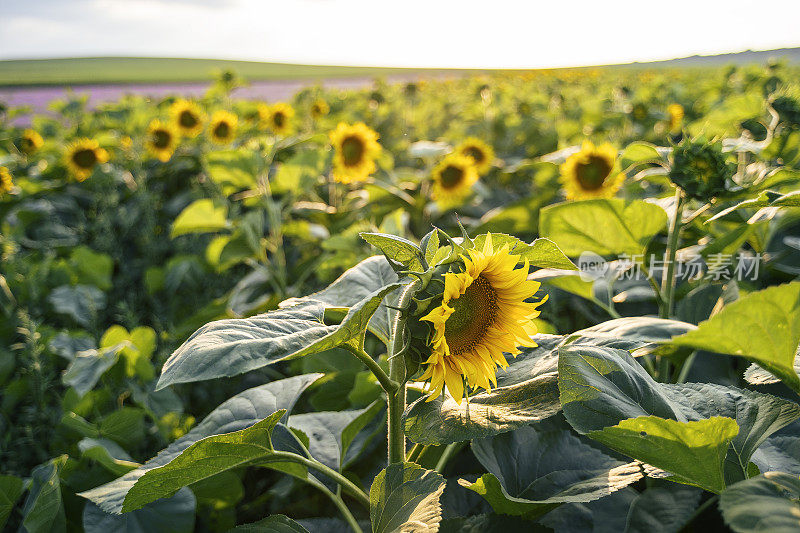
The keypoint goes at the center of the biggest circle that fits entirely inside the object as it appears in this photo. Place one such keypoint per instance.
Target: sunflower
(356, 147)
(482, 315)
(6, 183)
(481, 153)
(30, 141)
(223, 127)
(162, 139)
(319, 108)
(592, 172)
(453, 179)
(187, 117)
(82, 156)
(675, 112)
(277, 117)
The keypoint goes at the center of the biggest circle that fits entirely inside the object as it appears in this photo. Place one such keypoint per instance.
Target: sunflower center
(187, 119)
(451, 176)
(222, 130)
(475, 153)
(84, 158)
(352, 150)
(27, 143)
(279, 119)
(593, 173)
(161, 139)
(474, 312)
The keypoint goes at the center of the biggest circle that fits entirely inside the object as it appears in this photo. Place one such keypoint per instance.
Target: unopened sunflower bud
(700, 169)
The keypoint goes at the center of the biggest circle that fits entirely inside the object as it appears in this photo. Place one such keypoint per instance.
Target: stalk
(396, 400)
(668, 279)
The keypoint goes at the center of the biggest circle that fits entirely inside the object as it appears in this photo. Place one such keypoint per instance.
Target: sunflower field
(560, 301)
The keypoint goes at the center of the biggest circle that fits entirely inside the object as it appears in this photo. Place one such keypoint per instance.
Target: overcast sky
(427, 33)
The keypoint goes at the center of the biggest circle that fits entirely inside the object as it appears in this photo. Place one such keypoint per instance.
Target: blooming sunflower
(592, 172)
(453, 179)
(356, 147)
(223, 127)
(277, 117)
(675, 112)
(6, 183)
(82, 156)
(162, 139)
(319, 108)
(481, 153)
(187, 117)
(482, 315)
(30, 141)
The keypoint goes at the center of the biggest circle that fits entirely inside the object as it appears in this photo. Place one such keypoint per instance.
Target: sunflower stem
(668, 279)
(388, 385)
(396, 400)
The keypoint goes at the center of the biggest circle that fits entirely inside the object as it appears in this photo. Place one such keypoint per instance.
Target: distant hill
(127, 70)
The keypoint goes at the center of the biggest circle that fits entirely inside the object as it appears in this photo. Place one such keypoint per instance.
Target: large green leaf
(169, 515)
(765, 199)
(534, 469)
(763, 327)
(276, 523)
(203, 459)
(357, 283)
(237, 413)
(397, 249)
(606, 227)
(606, 515)
(405, 497)
(234, 346)
(662, 508)
(81, 302)
(769, 502)
(541, 253)
(694, 451)
(10, 491)
(88, 367)
(44, 506)
(233, 170)
(780, 453)
(201, 216)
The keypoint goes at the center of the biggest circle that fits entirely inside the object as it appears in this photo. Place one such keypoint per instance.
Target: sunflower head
(639, 112)
(277, 117)
(592, 172)
(481, 154)
(6, 183)
(319, 108)
(82, 156)
(675, 112)
(30, 141)
(477, 313)
(187, 117)
(453, 179)
(355, 149)
(162, 139)
(223, 127)
(700, 168)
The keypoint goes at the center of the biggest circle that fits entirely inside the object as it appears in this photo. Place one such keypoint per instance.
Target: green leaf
(780, 453)
(662, 508)
(91, 267)
(230, 347)
(765, 199)
(233, 170)
(601, 386)
(276, 523)
(81, 302)
(517, 218)
(44, 507)
(397, 249)
(405, 497)
(606, 227)
(534, 469)
(109, 454)
(201, 216)
(203, 459)
(221, 491)
(125, 426)
(170, 515)
(763, 327)
(769, 502)
(10, 491)
(541, 253)
(88, 367)
(237, 413)
(638, 153)
(694, 451)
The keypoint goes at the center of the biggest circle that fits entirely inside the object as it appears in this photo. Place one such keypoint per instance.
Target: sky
(402, 33)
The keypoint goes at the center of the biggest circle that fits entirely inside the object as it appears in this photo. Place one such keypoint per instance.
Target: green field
(91, 70)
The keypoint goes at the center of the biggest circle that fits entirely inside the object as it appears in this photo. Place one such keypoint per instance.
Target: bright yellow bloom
(319, 108)
(453, 179)
(481, 153)
(187, 117)
(223, 127)
(592, 172)
(162, 139)
(483, 314)
(6, 183)
(356, 147)
(277, 117)
(82, 156)
(676, 113)
(30, 141)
